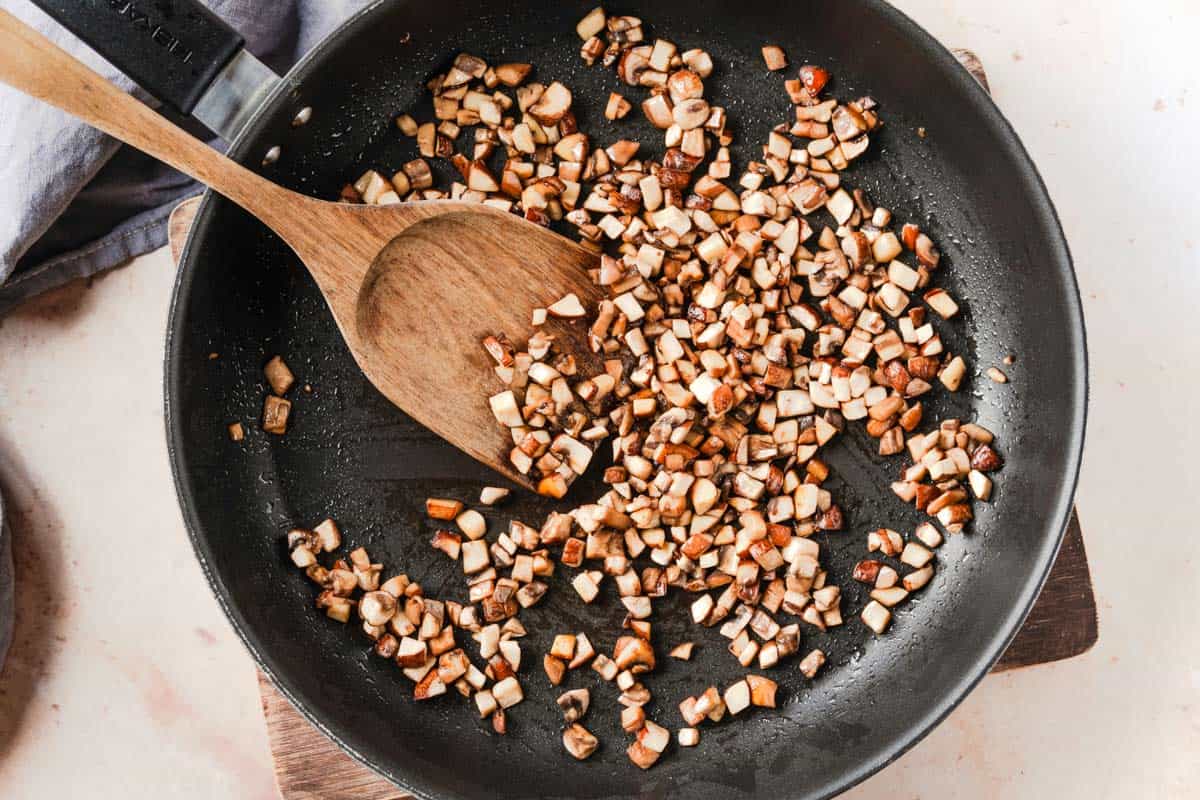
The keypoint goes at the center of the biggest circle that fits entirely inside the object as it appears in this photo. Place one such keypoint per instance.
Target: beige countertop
(126, 680)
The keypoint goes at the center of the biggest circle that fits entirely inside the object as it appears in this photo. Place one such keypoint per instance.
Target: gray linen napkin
(73, 201)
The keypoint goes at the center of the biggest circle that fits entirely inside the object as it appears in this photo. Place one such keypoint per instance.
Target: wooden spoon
(414, 287)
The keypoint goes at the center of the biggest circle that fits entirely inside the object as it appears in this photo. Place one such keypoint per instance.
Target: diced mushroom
(915, 555)
(841, 206)
(876, 616)
(302, 556)
(504, 407)
(275, 415)
(981, 485)
(699, 62)
(491, 495)
(586, 587)
(485, 703)
(890, 597)
(918, 578)
(471, 523)
(688, 114)
(508, 692)
(737, 697)
(928, 535)
(429, 686)
(475, 556)
(952, 374)
(376, 608)
(657, 109)
(774, 57)
(583, 651)
(442, 509)
(811, 663)
(762, 691)
(579, 742)
(563, 646)
(568, 307)
(329, 535)
(574, 704)
(279, 377)
(591, 24)
(554, 668)
(683, 651)
(513, 74)
(407, 125)
(412, 652)
(654, 737)
(941, 302)
(633, 653)
(617, 107)
(641, 755)
(552, 105)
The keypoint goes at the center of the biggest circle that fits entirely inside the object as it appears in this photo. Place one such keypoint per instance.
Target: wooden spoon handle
(33, 64)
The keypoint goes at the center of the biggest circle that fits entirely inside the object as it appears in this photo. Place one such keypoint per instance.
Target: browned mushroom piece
(553, 105)
(634, 654)
(774, 57)
(555, 669)
(574, 704)
(278, 376)
(641, 755)
(617, 107)
(377, 607)
(579, 742)
(762, 690)
(631, 65)
(513, 74)
(592, 24)
(276, 412)
(442, 508)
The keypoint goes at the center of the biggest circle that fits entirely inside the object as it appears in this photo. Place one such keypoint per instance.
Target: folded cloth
(73, 201)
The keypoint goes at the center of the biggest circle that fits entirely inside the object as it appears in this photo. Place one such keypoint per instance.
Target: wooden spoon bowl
(456, 273)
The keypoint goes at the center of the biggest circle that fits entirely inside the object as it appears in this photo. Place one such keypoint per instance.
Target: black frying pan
(352, 455)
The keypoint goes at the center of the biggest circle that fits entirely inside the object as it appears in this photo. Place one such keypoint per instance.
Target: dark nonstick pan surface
(350, 454)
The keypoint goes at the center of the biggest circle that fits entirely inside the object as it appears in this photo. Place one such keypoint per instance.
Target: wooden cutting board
(309, 766)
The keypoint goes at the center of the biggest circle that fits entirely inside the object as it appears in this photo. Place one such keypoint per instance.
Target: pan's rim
(1006, 630)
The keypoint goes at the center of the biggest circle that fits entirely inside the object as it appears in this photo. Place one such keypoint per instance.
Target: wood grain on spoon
(414, 287)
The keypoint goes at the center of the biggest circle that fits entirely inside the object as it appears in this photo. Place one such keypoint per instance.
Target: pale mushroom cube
(737, 697)
(876, 616)
(508, 692)
(475, 556)
(472, 523)
(504, 407)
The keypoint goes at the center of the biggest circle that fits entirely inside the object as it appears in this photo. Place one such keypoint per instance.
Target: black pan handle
(174, 49)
